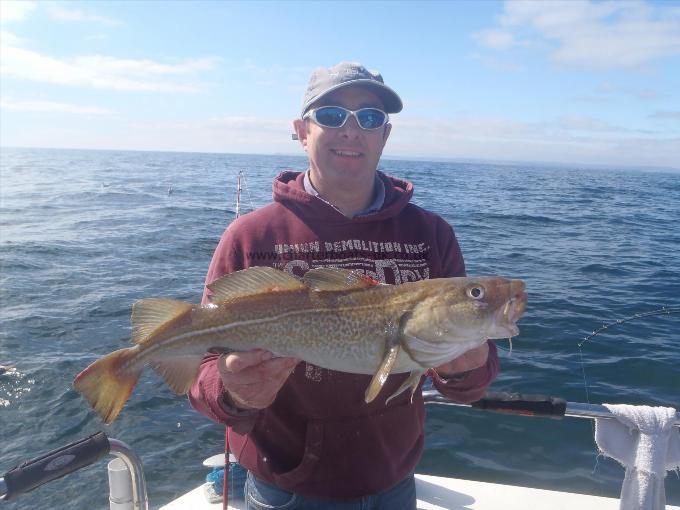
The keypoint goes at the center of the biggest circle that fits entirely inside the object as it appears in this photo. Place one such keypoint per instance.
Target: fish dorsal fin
(336, 279)
(252, 281)
(148, 315)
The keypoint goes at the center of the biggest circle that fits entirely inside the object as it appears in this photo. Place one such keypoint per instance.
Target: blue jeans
(261, 495)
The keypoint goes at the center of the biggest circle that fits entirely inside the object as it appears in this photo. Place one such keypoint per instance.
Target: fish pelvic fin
(412, 382)
(151, 315)
(178, 372)
(106, 385)
(250, 282)
(337, 279)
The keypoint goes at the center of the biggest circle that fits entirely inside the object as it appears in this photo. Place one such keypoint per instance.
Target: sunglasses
(336, 116)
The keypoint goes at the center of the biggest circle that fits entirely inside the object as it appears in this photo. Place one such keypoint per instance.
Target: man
(304, 433)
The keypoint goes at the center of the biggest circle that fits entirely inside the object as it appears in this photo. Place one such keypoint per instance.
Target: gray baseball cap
(325, 80)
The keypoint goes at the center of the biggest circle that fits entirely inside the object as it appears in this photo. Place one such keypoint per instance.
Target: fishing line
(659, 311)
(664, 310)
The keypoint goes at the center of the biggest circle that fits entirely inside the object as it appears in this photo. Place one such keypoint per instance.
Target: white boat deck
(439, 493)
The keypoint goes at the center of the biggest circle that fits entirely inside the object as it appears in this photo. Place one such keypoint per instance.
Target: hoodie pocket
(310, 458)
(355, 456)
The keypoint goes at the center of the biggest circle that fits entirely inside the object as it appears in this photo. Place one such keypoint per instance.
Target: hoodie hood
(289, 190)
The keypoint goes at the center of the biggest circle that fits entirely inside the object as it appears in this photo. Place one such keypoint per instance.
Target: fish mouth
(511, 312)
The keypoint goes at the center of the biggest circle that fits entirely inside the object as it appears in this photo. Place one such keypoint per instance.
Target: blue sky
(573, 82)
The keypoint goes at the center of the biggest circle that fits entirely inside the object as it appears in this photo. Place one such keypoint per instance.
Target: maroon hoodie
(319, 438)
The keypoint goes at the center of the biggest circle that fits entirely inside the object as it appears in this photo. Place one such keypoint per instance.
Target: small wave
(520, 218)
(7, 370)
(603, 269)
(13, 385)
(664, 274)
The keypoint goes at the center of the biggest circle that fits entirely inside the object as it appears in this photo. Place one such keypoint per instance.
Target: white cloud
(584, 123)
(666, 114)
(495, 39)
(15, 10)
(255, 135)
(100, 72)
(51, 106)
(66, 14)
(144, 67)
(96, 37)
(607, 91)
(255, 124)
(603, 35)
(577, 139)
(501, 64)
(8, 38)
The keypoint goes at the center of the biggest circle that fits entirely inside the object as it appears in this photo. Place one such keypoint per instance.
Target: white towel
(644, 440)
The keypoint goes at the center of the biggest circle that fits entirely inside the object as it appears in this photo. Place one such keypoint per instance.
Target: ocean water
(83, 234)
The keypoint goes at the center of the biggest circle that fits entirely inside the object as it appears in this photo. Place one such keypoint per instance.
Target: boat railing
(79, 454)
(72, 457)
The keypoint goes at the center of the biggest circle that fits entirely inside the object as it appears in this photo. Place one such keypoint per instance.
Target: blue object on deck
(216, 477)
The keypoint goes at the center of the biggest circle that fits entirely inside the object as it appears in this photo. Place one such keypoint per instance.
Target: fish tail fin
(106, 386)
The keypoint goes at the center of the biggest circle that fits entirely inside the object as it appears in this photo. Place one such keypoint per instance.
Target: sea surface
(83, 234)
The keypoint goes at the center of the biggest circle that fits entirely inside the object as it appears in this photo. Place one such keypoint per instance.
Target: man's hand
(470, 360)
(253, 378)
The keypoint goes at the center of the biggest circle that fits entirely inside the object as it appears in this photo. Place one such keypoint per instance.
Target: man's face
(346, 154)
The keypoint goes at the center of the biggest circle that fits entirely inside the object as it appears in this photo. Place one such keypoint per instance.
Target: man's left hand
(470, 360)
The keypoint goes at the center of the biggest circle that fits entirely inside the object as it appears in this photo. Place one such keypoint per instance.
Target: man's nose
(351, 127)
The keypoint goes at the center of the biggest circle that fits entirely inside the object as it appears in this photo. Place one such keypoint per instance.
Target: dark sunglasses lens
(370, 118)
(330, 116)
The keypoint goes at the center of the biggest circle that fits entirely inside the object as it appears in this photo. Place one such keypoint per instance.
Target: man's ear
(300, 128)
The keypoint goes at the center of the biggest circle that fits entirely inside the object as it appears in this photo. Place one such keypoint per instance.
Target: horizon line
(422, 159)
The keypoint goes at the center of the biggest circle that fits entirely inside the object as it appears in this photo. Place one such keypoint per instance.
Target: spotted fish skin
(332, 318)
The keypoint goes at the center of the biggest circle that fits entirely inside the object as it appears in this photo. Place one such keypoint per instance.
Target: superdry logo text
(386, 261)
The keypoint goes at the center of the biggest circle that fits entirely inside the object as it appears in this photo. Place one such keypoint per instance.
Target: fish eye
(475, 292)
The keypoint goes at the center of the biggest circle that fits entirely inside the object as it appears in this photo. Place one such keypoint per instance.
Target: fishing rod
(241, 184)
(664, 310)
(238, 194)
(530, 405)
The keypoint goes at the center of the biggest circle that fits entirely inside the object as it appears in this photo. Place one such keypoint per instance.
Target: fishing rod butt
(33, 473)
(523, 404)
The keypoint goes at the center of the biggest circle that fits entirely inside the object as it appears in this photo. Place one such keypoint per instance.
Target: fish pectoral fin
(150, 314)
(392, 349)
(252, 281)
(412, 382)
(178, 372)
(383, 372)
(337, 279)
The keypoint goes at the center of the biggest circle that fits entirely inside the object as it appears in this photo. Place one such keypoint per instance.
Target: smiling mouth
(346, 154)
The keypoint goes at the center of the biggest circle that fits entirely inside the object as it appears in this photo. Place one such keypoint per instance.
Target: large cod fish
(333, 318)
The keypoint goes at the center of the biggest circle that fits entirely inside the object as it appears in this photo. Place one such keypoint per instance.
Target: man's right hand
(253, 378)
